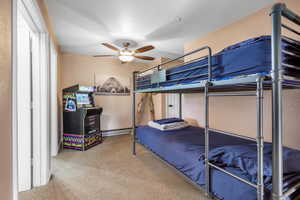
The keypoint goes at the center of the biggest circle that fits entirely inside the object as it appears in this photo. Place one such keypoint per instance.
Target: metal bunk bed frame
(248, 83)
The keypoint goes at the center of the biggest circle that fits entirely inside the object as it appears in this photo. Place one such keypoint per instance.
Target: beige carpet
(110, 172)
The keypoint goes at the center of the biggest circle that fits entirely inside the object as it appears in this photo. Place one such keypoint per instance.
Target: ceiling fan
(127, 55)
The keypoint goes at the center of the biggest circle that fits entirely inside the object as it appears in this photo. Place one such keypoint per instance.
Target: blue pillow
(244, 157)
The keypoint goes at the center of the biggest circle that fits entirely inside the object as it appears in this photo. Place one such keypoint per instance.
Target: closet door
(24, 106)
(172, 105)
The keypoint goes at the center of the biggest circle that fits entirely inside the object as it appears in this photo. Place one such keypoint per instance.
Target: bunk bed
(267, 62)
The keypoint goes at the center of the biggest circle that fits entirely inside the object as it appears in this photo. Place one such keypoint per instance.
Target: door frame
(41, 143)
(54, 101)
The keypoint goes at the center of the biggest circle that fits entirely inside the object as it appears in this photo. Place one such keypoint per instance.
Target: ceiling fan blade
(144, 57)
(144, 49)
(110, 46)
(103, 55)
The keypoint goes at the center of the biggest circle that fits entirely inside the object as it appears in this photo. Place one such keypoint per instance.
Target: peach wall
(237, 114)
(6, 100)
(80, 69)
(254, 25)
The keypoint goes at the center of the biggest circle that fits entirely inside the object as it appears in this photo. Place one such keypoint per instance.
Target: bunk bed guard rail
(278, 11)
(259, 138)
(159, 74)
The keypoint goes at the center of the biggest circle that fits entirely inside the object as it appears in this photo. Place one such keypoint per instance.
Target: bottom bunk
(184, 150)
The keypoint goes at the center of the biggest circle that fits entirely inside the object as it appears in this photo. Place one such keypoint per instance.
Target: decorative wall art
(112, 86)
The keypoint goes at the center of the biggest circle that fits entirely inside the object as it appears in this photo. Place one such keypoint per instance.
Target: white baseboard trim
(118, 132)
(56, 151)
(60, 145)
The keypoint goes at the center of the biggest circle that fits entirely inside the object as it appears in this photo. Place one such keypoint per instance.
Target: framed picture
(112, 86)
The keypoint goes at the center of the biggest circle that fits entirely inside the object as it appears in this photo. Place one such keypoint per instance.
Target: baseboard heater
(114, 132)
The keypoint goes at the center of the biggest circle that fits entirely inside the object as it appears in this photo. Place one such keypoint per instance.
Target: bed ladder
(259, 138)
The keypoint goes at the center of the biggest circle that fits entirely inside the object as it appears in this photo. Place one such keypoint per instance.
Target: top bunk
(235, 68)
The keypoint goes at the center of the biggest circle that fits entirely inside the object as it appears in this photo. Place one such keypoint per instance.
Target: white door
(24, 99)
(32, 85)
(172, 105)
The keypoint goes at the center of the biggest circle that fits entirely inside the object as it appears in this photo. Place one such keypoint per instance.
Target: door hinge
(31, 105)
(31, 162)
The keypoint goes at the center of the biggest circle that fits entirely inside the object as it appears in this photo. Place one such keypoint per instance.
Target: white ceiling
(81, 25)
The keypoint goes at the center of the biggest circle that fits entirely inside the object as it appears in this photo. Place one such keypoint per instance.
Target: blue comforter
(184, 149)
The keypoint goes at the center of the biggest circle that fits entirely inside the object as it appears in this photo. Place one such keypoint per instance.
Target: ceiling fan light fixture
(126, 56)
